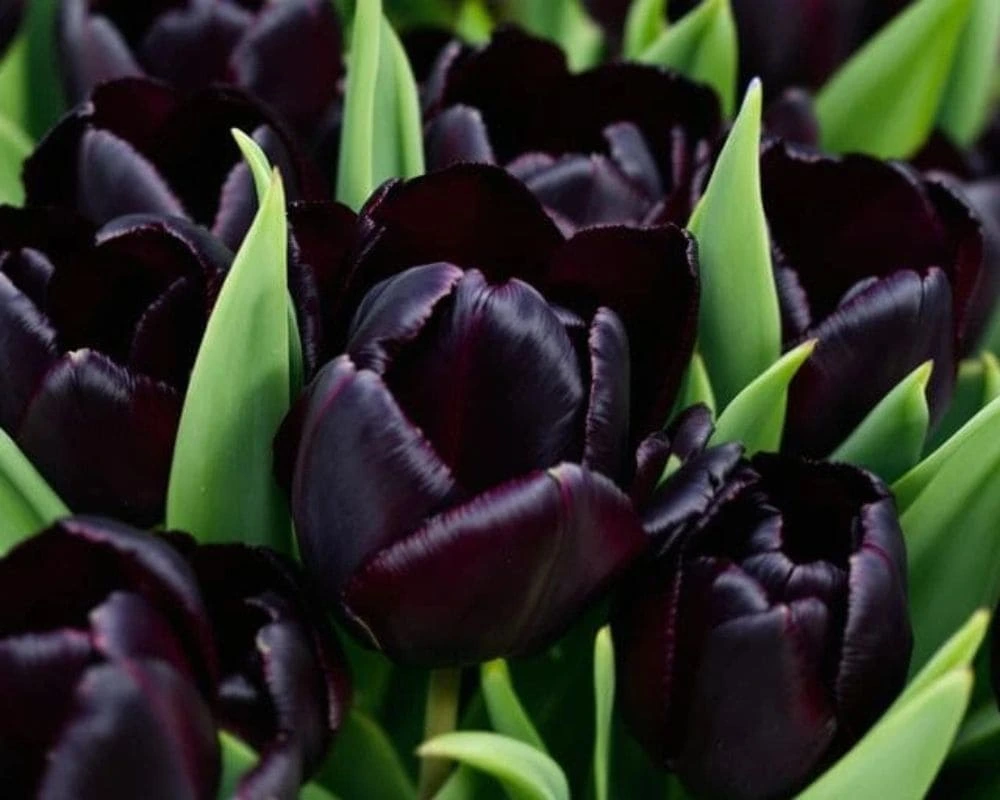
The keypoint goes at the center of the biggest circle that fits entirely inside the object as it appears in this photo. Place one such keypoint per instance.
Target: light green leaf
(474, 23)
(14, 102)
(738, 341)
(526, 773)
(968, 94)
(507, 715)
(564, 22)
(703, 46)
(890, 439)
(47, 101)
(15, 146)
(695, 388)
(953, 540)
(604, 699)
(899, 757)
(977, 384)
(885, 99)
(27, 503)
(221, 483)
(646, 20)
(955, 654)
(363, 763)
(756, 416)
(238, 759)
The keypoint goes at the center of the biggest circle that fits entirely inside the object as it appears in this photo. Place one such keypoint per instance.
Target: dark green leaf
(238, 759)
(507, 715)
(47, 101)
(363, 763)
(978, 383)
(27, 502)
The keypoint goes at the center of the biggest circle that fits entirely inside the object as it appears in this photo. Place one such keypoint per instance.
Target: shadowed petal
(457, 135)
(64, 433)
(277, 774)
(168, 334)
(606, 442)
(463, 603)
(792, 117)
(630, 151)
(91, 49)
(27, 351)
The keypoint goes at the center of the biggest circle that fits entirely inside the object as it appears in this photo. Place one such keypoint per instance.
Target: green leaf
(968, 94)
(221, 482)
(398, 144)
(984, 424)
(885, 99)
(737, 340)
(900, 756)
(474, 23)
(363, 763)
(564, 22)
(955, 654)
(703, 46)
(525, 772)
(238, 759)
(27, 503)
(890, 439)
(604, 699)
(507, 715)
(756, 416)
(14, 101)
(15, 146)
(44, 85)
(977, 384)
(695, 388)
(953, 540)
(645, 22)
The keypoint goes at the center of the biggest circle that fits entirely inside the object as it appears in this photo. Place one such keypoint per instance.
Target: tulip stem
(440, 717)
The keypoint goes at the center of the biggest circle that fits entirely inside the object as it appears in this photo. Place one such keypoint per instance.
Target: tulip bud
(769, 630)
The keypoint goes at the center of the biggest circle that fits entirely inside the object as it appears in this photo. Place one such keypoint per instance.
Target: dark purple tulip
(10, 18)
(287, 54)
(137, 146)
(100, 330)
(107, 669)
(879, 265)
(447, 466)
(769, 630)
(636, 155)
(477, 216)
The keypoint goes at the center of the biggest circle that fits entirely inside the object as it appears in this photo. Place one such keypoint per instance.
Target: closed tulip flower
(637, 156)
(769, 629)
(287, 54)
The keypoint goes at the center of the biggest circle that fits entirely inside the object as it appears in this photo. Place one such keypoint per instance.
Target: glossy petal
(91, 49)
(136, 729)
(363, 477)
(650, 279)
(457, 135)
(607, 424)
(630, 151)
(27, 351)
(684, 438)
(565, 519)
(63, 432)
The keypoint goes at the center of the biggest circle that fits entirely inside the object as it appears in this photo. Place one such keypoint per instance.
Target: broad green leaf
(398, 133)
(47, 101)
(15, 146)
(955, 654)
(604, 699)
(695, 388)
(899, 757)
(977, 384)
(14, 101)
(953, 541)
(756, 416)
(507, 715)
(27, 502)
(221, 482)
(968, 94)
(890, 439)
(238, 759)
(737, 340)
(525, 772)
(981, 428)
(646, 20)
(474, 23)
(703, 46)
(564, 22)
(885, 99)
(363, 763)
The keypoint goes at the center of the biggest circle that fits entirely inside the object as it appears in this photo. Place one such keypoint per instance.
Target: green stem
(440, 717)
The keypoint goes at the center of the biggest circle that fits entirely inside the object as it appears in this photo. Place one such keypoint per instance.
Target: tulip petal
(461, 605)
(606, 435)
(168, 334)
(487, 339)
(685, 437)
(364, 476)
(630, 151)
(289, 41)
(792, 117)
(92, 50)
(456, 135)
(650, 279)
(63, 432)
(136, 730)
(873, 341)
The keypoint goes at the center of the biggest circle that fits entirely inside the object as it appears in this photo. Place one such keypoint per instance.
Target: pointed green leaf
(526, 773)
(363, 763)
(221, 483)
(646, 20)
(604, 699)
(955, 654)
(890, 439)
(968, 94)
(238, 759)
(984, 424)
(695, 388)
(27, 502)
(756, 416)
(899, 757)
(703, 46)
(737, 340)
(977, 384)
(885, 99)
(507, 715)
(47, 101)
(14, 101)
(15, 146)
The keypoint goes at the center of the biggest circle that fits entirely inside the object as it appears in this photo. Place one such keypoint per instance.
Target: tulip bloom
(769, 630)
(880, 266)
(116, 651)
(637, 155)
(287, 54)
